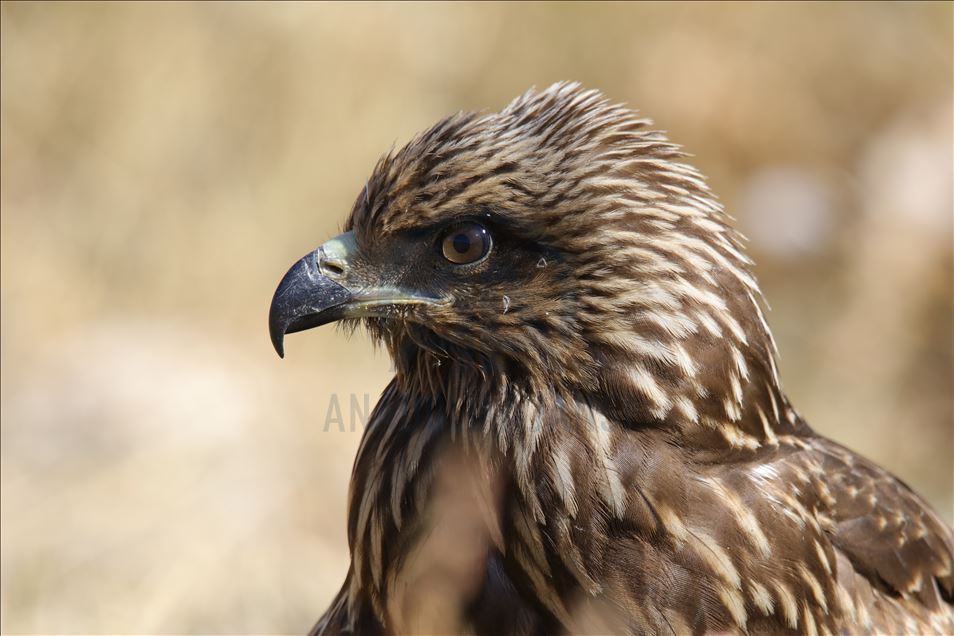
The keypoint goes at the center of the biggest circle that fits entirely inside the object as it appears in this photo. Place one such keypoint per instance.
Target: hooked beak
(323, 287)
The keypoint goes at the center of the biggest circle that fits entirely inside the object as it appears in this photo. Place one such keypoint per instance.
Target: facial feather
(614, 272)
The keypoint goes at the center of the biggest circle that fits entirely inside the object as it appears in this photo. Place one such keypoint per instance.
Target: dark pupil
(462, 243)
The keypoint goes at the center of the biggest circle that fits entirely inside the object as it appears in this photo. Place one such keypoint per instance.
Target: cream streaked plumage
(605, 379)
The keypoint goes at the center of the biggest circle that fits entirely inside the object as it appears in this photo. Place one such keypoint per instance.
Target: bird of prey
(586, 416)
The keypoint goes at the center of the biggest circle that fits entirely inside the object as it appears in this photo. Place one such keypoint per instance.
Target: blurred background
(163, 164)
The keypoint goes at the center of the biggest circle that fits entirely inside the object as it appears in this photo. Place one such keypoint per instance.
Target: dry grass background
(163, 164)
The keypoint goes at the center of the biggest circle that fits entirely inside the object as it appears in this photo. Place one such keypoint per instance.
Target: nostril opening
(333, 268)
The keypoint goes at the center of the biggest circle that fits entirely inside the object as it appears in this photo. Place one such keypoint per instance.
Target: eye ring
(466, 243)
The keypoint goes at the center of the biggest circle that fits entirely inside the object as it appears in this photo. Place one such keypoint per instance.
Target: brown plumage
(586, 429)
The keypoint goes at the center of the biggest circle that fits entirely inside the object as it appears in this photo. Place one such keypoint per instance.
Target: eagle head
(558, 246)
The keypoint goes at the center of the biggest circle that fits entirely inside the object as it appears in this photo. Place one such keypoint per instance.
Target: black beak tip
(278, 343)
(276, 332)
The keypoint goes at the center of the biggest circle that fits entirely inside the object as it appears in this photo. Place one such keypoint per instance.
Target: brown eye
(467, 243)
